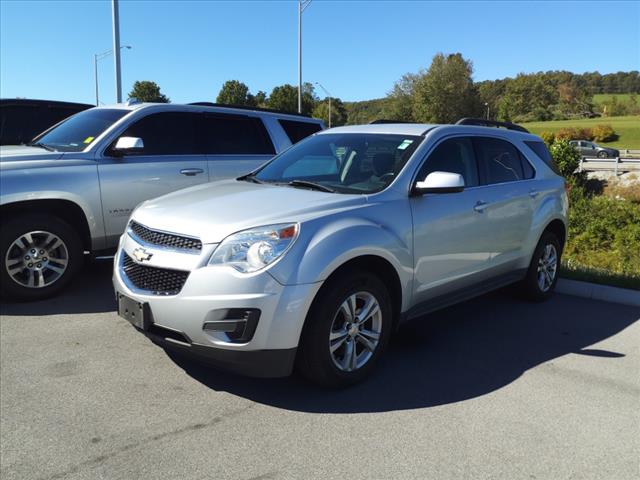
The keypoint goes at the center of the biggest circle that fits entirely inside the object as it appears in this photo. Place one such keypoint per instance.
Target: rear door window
(499, 160)
(297, 131)
(226, 134)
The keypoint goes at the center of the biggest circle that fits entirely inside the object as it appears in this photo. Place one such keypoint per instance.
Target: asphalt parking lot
(493, 388)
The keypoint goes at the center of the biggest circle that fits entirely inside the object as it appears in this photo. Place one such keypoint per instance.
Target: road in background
(492, 388)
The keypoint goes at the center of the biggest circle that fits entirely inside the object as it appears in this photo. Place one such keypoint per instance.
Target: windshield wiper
(312, 185)
(41, 145)
(249, 177)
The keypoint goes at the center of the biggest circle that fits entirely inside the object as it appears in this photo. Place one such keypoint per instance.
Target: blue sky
(355, 49)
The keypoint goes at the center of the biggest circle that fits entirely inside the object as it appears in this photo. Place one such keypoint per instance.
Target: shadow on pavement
(90, 292)
(449, 356)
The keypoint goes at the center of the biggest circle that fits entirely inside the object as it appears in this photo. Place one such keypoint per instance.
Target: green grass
(628, 128)
(599, 276)
(599, 98)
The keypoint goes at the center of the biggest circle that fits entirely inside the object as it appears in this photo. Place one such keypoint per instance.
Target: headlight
(253, 249)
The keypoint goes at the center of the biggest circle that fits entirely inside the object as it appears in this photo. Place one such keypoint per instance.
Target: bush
(604, 133)
(566, 156)
(572, 133)
(548, 138)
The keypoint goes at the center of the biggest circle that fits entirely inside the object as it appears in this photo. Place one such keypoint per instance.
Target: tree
(400, 99)
(261, 99)
(234, 92)
(338, 112)
(147, 91)
(285, 98)
(446, 92)
(528, 98)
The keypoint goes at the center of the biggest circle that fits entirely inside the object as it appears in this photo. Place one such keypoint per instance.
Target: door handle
(480, 206)
(190, 172)
(533, 193)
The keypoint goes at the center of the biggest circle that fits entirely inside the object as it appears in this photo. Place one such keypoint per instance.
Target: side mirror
(128, 144)
(440, 182)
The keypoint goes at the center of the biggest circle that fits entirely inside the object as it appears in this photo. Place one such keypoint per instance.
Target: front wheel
(542, 274)
(39, 255)
(603, 155)
(346, 330)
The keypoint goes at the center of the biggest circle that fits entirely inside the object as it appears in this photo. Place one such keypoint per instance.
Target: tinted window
(499, 160)
(296, 131)
(167, 133)
(527, 169)
(346, 163)
(542, 152)
(455, 155)
(78, 132)
(224, 134)
(14, 124)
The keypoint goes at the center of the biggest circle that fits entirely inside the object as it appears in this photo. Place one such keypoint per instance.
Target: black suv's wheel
(603, 154)
(39, 256)
(542, 274)
(346, 330)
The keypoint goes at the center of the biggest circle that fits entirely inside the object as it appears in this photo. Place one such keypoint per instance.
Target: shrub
(572, 133)
(566, 156)
(548, 138)
(604, 133)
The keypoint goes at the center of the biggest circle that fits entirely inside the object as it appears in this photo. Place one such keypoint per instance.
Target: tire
(327, 317)
(28, 276)
(603, 155)
(536, 285)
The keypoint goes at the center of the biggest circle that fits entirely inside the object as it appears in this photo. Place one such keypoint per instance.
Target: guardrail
(617, 165)
(628, 153)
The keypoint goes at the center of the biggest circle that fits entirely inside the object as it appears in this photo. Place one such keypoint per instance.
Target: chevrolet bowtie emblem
(141, 254)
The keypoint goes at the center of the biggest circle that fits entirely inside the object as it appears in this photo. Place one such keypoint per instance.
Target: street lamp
(329, 96)
(302, 5)
(487, 105)
(100, 56)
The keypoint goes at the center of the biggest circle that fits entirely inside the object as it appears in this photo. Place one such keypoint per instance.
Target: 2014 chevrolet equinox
(313, 259)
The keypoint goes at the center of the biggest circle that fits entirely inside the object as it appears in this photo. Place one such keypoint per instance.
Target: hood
(213, 211)
(12, 153)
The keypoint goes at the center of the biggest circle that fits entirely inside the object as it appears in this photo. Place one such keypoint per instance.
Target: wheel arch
(66, 210)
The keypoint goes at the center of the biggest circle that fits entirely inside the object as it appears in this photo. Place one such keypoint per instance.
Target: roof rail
(246, 107)
(381, 121)
(481, 122)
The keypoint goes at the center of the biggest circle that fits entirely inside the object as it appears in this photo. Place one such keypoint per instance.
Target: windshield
(79, 131)
(344, 163)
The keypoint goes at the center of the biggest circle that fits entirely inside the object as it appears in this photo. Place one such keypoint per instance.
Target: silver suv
(74, 187)
(316, 257)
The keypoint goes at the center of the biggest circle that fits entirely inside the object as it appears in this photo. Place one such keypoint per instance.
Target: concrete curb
(598, 292)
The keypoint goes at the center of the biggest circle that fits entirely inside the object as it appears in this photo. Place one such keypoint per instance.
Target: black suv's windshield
(341, 162)
(79, 131)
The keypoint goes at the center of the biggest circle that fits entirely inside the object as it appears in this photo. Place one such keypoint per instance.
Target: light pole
(100, 56)
(302, 5)
(116, 49)
(329, 96)
(487, 105)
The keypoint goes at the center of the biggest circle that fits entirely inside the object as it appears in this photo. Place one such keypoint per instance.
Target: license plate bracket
(137, 313)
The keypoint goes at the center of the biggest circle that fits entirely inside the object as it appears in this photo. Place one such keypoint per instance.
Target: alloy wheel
(547, 267)
(37, 259)
(355, 331)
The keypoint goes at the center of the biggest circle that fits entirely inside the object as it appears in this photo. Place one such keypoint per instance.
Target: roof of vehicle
(31, 101)
(217, 108)
(422, 129)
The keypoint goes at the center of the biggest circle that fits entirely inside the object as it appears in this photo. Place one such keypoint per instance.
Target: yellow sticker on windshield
(89, 139)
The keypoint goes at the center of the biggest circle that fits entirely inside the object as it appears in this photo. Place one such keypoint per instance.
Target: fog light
(239, 324)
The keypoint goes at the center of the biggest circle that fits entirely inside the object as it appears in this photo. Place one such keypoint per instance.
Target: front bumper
(178, 321)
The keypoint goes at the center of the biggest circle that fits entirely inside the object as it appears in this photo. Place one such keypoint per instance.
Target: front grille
(162, 239)
(159, 281)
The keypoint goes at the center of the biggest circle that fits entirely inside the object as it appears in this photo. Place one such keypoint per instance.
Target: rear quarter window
(297, 131)
(541, 150)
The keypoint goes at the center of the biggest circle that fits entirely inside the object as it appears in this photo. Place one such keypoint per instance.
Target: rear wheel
(542, 274)
(346, 331)
(39, 255)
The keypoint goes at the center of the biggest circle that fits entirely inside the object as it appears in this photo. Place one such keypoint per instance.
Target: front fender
(324, 248)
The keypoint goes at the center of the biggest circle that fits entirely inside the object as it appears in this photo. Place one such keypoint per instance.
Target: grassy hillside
(598, 98)
(628, 128)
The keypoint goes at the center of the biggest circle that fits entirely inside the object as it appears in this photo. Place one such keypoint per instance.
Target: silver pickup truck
(71, 190)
